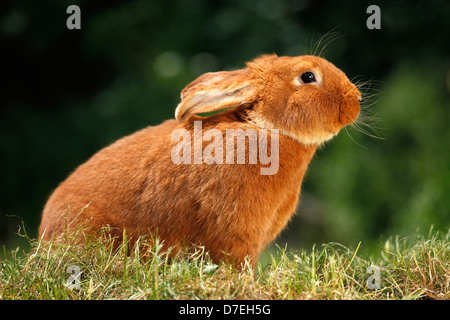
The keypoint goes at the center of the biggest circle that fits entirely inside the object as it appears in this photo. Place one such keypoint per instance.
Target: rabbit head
(305, 97)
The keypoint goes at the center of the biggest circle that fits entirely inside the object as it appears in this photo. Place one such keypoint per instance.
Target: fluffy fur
(230, 209)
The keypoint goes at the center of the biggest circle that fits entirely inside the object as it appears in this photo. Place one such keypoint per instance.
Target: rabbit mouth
(348, 113)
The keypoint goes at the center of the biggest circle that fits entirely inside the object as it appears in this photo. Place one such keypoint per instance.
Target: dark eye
(308, 77)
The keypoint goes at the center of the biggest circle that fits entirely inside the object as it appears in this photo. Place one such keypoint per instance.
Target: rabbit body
(231, 209)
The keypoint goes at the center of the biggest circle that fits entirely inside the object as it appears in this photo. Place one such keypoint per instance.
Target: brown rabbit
(230, 208)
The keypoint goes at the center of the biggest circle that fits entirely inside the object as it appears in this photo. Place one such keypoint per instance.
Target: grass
(412, 268)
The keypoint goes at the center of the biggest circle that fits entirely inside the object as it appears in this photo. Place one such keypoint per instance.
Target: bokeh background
(67, 93)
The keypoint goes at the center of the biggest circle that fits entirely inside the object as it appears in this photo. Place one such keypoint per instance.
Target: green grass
(414, 268)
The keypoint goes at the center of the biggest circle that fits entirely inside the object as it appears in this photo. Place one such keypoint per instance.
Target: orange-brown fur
(230, 209)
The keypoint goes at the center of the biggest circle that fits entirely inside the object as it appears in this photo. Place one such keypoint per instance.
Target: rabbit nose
(359, 97)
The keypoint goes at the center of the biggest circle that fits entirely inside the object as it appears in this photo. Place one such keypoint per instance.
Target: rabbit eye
(308, 77)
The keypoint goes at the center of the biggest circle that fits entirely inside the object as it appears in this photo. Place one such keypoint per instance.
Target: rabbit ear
(216, 91)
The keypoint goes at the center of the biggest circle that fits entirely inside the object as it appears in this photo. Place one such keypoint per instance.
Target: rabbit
(230, 209)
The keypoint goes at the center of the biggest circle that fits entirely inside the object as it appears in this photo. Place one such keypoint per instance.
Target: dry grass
(414, 268)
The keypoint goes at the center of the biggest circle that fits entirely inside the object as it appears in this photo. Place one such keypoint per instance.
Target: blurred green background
(68, 93)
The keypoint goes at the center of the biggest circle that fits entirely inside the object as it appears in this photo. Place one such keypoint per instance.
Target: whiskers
(367, 122)
(319, 47)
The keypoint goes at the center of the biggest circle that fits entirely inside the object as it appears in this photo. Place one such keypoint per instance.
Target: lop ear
(216, 91)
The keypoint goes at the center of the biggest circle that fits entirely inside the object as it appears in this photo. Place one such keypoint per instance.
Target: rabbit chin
(301, 137)
(308, 139)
